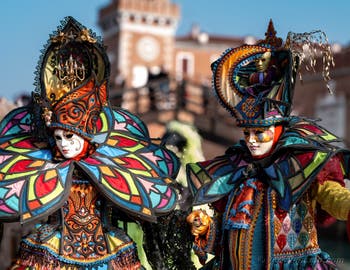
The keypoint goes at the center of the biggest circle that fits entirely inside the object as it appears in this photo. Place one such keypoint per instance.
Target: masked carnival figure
(269, 189)
(71, 163)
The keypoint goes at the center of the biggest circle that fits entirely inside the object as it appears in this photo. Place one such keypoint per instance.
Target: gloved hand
(199, 221)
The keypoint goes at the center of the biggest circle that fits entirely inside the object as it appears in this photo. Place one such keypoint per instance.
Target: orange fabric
(247, 195)
(278, 133)
(84, 152)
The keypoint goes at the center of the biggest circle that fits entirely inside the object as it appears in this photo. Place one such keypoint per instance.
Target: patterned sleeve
(331, 194)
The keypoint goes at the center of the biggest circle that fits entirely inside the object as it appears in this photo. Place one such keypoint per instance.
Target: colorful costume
(267, 208)
(122, 173)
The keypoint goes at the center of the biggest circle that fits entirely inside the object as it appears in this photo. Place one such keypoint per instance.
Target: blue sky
(25, 26)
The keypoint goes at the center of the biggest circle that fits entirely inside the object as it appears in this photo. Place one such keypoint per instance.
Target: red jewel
(280, 214)
(281, 241)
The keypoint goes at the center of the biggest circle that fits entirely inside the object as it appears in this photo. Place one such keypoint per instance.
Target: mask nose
(64, 142)
(252, 137)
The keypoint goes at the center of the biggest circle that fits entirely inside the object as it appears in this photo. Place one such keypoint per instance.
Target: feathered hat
(255, 83)
(71, 79)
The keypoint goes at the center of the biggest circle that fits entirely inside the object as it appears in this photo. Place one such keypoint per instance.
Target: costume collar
(302, 151)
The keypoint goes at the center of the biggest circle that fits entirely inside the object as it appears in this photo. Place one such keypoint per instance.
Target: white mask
(259, 140)
(69, 144)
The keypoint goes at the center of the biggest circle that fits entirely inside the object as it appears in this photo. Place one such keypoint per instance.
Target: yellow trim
(319, 158)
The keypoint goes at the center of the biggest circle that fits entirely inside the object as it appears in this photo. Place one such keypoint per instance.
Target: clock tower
(140, 37)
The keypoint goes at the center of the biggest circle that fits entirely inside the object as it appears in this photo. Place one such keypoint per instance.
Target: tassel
(310, 46)
(276, 266)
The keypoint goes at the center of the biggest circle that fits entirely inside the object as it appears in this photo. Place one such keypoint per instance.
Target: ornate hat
(255, 83)
(71, 79)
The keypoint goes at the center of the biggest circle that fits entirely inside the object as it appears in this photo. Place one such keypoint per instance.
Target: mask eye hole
(69, 135)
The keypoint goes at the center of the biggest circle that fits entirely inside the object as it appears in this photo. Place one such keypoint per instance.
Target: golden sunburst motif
(249, 107)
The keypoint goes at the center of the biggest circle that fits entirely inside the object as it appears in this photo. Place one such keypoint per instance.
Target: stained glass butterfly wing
(16, 123)
(132, 171)
(121, 120)
(30, 189)
(30, 184)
